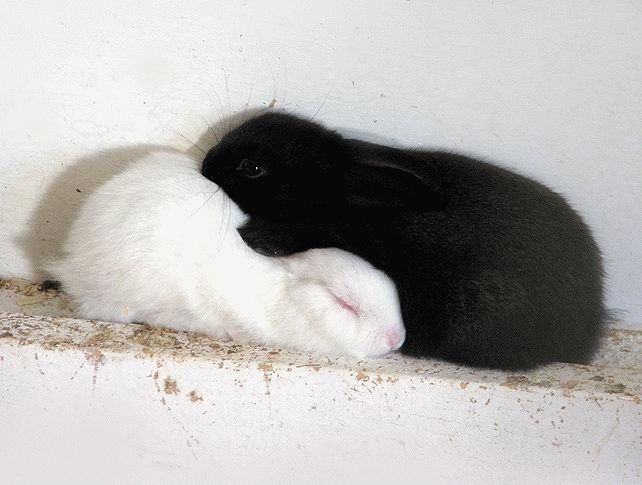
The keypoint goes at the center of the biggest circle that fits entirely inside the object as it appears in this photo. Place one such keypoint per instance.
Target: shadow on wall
(49, 227)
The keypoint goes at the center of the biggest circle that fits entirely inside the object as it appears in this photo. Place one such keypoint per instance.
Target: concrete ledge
(104, 403)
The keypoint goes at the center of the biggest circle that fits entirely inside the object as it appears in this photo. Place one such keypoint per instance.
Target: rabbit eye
(251, 169)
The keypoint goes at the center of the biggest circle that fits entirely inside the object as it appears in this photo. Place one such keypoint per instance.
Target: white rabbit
(158, 244)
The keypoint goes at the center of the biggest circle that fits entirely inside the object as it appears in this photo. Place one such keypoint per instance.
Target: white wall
(550, 88)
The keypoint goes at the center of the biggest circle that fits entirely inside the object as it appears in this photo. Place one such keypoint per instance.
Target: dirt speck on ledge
(170, 386)
(95, 357)
(362, 376)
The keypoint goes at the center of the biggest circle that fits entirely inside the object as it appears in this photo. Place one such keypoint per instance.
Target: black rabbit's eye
(251, 169)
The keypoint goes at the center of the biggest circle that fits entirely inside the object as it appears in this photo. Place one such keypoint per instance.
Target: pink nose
(394, 338)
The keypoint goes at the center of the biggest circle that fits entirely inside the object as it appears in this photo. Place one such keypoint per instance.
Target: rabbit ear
(395, 180)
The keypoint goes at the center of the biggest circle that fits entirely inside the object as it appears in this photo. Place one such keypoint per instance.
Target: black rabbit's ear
(387, 182)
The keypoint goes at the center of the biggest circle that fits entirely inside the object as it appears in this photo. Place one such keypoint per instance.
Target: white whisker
(221, 113)
(285, 76)
(226, 213)
(229, 102)
(322, 104)
(210, 128)
(194, 144)
(203, 204)
(247, 103)
(275, 83)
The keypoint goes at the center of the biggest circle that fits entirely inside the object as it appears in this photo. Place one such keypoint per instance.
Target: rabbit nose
(394, 338)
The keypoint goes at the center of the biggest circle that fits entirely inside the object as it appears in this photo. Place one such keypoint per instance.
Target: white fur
(158, 244)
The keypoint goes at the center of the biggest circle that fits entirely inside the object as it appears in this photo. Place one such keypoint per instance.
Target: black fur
(493, 269)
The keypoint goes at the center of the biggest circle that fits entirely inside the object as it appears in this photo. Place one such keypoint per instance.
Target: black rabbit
(493, 269)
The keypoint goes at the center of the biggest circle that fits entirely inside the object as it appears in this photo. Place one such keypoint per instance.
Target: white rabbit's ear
(391, 181)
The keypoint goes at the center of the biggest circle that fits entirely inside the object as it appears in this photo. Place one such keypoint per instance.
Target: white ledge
(111, 402)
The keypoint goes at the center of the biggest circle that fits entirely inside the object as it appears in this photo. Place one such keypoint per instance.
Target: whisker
(220, 227)
(228, 210)
(221, 113)
(275, 82)
(285, 76)
(322, 104)
(229, 102)
(222, 122)
(226, 206)
(194, 144)
(210, 128)
(203, 204)
(215, 108)
(247, 103)
(203, 191)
